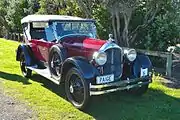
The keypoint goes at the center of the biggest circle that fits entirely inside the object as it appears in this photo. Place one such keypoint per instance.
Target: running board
(43, 72)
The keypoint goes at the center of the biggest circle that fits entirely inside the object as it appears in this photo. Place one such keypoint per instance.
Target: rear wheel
(138, 91)
(25, 71)
(55, 64)
(56, 58)
(76, 88)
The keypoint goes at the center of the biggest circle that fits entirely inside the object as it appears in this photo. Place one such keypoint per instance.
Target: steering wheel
(73, 35)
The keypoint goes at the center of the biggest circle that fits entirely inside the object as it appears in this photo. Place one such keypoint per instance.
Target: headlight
(100, 58)
(131, 54)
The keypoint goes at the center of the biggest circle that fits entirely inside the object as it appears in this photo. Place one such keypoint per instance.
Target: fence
(14, 36)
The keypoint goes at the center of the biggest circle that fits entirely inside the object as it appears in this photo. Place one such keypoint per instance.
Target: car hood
(93, 44)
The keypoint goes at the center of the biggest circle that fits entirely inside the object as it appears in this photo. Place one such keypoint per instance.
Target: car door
(45, 40)
(44, 46)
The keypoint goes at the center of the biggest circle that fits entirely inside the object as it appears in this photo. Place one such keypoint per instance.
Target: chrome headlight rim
(100, 57)
(131, 54)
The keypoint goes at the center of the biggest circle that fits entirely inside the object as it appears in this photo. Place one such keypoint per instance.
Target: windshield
(73, 28)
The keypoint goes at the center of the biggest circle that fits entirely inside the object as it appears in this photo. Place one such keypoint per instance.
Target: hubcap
(55, 64)
(23, 65)
(71, 89)
(52, 64)
(76, 89)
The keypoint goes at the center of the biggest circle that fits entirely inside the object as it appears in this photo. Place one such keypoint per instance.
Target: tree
(3, 12)
(87, 6)
(164, 31)
(59, 7)
(122, 12)
(11, 13)
(135, 23)
(30, 6)
(94, 9)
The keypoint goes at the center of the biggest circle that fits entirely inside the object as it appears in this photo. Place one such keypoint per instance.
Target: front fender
(142, 61)
(88, 71)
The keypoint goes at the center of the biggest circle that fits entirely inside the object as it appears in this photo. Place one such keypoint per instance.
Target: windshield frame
(58, 37)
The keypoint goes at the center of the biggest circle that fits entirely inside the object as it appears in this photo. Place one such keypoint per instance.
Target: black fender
(142, 61)
(59, 48)
(88, 71)
(18, 52)
(61, 51)
(27, 52)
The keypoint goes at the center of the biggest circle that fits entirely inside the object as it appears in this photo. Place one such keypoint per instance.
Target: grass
(48, 99)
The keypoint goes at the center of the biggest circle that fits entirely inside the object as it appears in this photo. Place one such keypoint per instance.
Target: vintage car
(65, 49)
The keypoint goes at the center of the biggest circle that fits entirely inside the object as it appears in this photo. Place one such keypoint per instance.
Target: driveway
(12, 109)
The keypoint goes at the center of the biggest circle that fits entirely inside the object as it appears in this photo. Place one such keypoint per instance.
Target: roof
(38, 18)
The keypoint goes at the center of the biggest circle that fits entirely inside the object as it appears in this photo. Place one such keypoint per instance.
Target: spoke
(23, 64)
(78, 89)
(55, 64)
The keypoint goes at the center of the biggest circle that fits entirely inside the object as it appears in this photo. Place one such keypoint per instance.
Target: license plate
(144, 72)
(105, 79)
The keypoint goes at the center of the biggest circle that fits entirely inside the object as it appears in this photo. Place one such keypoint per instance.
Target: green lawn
(48, 99)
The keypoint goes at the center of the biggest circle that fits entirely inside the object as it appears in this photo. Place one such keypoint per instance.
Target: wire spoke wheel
(55, 64)
(23, 64)
(25, 71)
(76, 88)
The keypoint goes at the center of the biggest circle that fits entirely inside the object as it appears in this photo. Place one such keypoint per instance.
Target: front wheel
(76, 88)
(25, 71)
(138, 91)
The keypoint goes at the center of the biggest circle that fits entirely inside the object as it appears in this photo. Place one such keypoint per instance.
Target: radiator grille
(114, 61)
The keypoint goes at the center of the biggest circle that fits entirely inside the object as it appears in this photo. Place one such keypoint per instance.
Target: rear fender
(28, 56)
(18, 52)
(88, 71)
(142, 61)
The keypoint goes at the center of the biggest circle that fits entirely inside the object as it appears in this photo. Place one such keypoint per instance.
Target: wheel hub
(52, 64)
(71, 89)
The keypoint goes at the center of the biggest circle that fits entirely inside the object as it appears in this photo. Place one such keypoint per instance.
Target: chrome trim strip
(118, 83)
(109, 45)
(139, 84)
(112, 55)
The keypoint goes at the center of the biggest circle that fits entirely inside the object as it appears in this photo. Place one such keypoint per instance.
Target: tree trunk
(114, 27)
(118, 25)
(84, 8)
(127, 17)
(125, 31)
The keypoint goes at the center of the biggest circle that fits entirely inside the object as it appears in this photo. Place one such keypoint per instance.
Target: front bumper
(120, 85)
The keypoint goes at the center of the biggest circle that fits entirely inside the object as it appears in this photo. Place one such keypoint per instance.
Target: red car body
(76, 47)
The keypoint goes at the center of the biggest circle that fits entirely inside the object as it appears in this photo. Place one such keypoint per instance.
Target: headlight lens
(100, 58)
(131, 54)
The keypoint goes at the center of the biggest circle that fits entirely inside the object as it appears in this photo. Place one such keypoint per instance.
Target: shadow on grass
(153, 105)
(170, 82)
(173, 81)
(115, 106)
(14, 77)
(58, 89)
